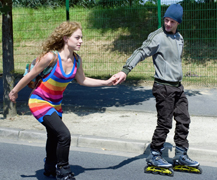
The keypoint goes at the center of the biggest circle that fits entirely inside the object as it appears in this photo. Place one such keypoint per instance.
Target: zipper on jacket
(179, 55)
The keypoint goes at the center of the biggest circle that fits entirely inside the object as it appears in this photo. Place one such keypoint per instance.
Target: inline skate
(158, 165)
(182, 163)
(64, 173)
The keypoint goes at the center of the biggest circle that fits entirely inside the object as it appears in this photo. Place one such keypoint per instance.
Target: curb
(110, 144)
(107, 144)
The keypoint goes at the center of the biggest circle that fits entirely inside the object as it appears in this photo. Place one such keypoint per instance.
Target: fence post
(67, 10)
(159, 12)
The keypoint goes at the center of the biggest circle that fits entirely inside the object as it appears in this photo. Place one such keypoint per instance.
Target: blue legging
(58, 140)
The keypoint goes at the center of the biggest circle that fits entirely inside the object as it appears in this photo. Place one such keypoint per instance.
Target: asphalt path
(202, 101)
(25, 162)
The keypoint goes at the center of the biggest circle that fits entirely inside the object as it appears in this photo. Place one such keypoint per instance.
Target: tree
(153, 1)
(209, 1)
(197, 1)
(9, 108)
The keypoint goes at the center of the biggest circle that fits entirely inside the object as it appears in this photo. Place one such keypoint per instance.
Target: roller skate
(158, 165)
(64, 173)
(182, 163)
(49, 168)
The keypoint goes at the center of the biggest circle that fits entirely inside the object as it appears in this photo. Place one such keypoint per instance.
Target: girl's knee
(65, 137)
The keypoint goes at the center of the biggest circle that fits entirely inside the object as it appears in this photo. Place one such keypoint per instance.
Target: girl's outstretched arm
(37, 69)
(91, 82)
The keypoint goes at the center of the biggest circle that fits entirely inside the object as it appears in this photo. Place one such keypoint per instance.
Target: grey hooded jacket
(166, 50)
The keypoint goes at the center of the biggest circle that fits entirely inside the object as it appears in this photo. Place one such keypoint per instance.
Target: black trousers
(171, 102)
(58, 140)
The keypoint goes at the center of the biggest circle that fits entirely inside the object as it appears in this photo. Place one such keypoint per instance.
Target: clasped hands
(118, 78)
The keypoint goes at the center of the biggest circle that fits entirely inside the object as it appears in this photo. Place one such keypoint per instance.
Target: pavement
(119, 118)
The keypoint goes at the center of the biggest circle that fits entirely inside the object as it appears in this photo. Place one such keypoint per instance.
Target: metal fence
(113, 29)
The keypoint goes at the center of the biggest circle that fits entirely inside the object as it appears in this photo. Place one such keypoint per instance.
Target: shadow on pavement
(83, 100)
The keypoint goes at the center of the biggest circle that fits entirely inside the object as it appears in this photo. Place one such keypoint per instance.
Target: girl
(45, 100)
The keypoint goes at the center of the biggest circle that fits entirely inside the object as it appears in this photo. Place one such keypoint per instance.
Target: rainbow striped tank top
(47, 97)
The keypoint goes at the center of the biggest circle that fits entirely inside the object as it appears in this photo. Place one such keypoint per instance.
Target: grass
(110, 37)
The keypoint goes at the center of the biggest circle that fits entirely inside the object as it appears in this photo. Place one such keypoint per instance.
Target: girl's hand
(13, 96)
(111, 80)
(120, 77)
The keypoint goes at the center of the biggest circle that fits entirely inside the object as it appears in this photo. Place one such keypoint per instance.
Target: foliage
(4, 7)
(134, 23)
(52, 4)
(81, 3)
(199, 30)
(111, 33)
(38, 3)
(117, 3)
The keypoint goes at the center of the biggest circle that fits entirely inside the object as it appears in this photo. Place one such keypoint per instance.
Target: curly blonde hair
(55, 40)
